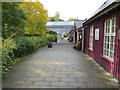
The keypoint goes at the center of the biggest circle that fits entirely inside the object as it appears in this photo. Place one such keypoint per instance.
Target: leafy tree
(36, 17)
(56, 17)
(12, 19)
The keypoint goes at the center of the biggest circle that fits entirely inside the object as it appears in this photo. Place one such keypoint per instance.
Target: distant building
(61, 27)
(74, 34)
(102, 36)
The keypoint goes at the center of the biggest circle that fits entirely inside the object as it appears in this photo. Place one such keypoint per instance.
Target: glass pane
(111, 47)
(112, 39)
(113, 29)
(105, 38)
(108, 23)
(111, 54)
(108, 31)
(107, 46)
(108, 39)
(107, 53)
(113, 22)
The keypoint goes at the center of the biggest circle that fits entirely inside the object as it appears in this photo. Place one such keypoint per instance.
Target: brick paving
(59, 67)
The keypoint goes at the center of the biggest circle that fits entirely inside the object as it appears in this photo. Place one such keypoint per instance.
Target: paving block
(59, 84)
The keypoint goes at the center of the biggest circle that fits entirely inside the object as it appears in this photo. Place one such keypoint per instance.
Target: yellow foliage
(36, 17)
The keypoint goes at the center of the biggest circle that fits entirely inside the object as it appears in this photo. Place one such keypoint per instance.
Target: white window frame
(109, 38)
(91, 38)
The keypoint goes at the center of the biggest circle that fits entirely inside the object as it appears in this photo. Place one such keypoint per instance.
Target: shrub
(14, 49)
(7, 55)
(51, 37)
(25, 47)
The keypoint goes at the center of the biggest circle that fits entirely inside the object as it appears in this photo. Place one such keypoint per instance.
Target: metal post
(83, 39)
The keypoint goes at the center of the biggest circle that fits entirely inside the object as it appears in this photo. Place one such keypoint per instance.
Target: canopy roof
(60, 24)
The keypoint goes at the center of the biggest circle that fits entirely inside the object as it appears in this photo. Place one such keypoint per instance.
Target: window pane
(111, 47)
(108, 23)
(107, 45)
(113, 29)
(108, 31)
(108, 38)
(113, 22)
(111, 54)
(105, 38)
(107, 53)
(112, 39)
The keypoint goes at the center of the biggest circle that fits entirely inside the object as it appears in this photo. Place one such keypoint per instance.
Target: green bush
(25, 47)
(14, 49)
(7, 55)
(51, 37)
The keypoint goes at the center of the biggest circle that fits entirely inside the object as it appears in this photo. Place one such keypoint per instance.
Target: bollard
(49, 45)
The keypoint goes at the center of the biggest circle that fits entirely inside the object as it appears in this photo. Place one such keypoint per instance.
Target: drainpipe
(119, 54)
(83, 39)
(119, 48)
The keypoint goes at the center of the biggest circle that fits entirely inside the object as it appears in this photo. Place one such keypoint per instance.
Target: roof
(103, 7)
(60, 24)
(52, 24)
(106, 4)
(79, 23)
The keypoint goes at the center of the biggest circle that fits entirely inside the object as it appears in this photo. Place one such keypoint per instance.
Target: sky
(80, 9)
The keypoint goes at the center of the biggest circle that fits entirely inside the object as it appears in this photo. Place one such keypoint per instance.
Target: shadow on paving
(59, 67)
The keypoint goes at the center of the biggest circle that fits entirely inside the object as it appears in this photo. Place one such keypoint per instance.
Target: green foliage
(56, 17)
(13, 50)
(7, 55)
(25, 47)
(51, 37)
(14, 44)
(12, 19)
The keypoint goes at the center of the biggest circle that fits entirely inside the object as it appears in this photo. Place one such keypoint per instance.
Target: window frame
(109, 38)
(91, 37)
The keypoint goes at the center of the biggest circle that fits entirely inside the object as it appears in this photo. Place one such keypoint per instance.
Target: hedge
(14, 50)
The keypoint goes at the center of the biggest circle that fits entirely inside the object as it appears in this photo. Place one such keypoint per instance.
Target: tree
(56, 17)
(73, 19)
(12, 19)
(36, 17)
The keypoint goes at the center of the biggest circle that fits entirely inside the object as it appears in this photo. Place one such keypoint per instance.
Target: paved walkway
(60, 66)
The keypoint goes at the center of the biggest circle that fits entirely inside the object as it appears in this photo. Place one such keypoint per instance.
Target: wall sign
(97, 34)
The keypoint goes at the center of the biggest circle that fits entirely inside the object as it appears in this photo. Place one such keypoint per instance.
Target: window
(80, 36)
(109, 38)
(91, 38)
